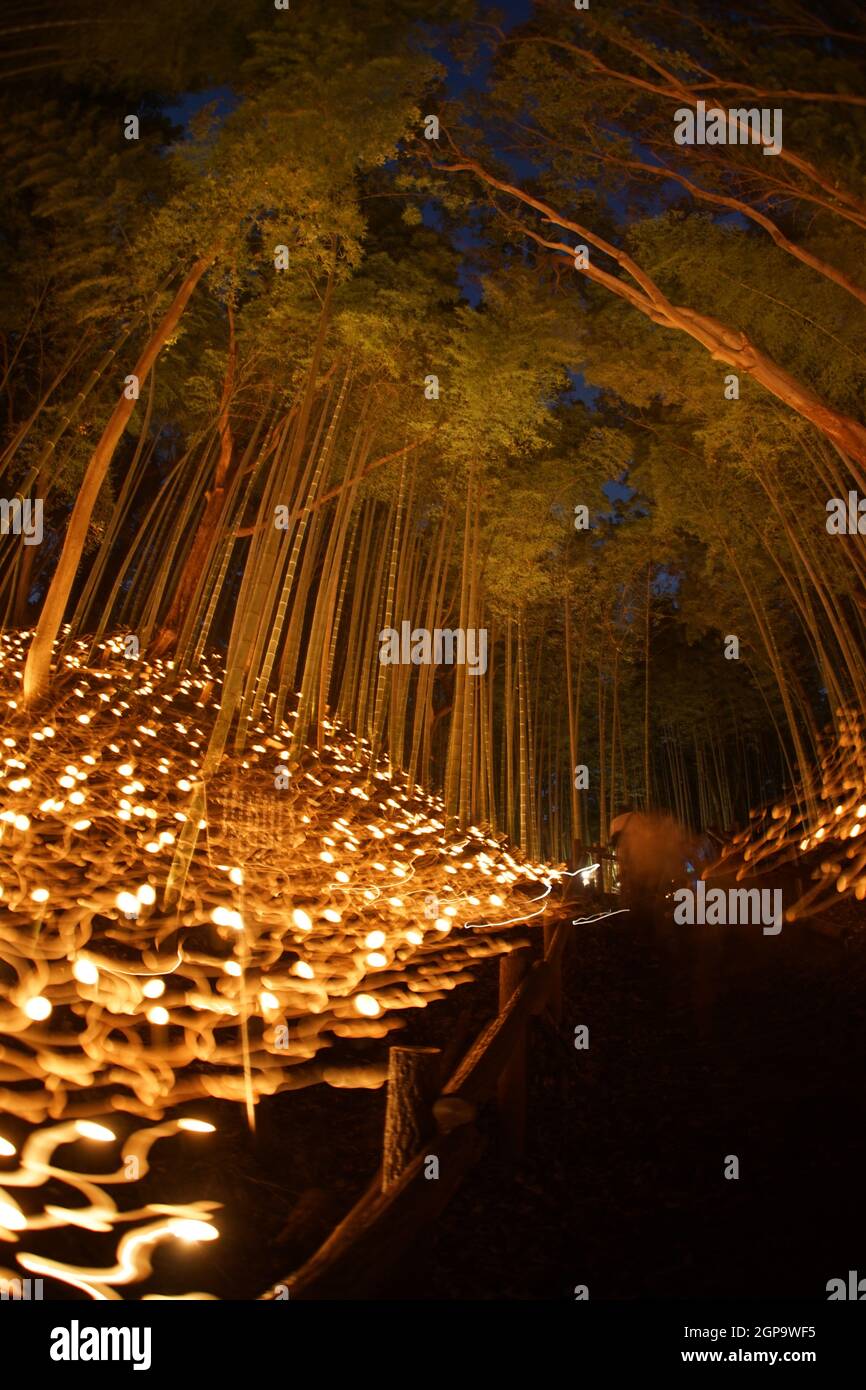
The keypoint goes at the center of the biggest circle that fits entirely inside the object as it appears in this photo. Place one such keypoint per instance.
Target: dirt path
(704, 1042)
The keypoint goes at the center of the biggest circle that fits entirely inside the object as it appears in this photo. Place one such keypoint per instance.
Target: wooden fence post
(555, 1001)
(414, 1079)
(511, 1088)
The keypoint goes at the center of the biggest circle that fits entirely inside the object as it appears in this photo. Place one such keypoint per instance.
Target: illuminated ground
(813, 834)
(313, 906)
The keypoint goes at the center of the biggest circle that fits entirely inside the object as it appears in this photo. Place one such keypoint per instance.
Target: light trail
(123, 1000)
(822, 823)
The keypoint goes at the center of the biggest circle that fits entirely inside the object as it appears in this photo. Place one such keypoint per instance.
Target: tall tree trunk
(208, 527)
(509, 733)
(647, 784)
(722, 341)
(602, 798)
(614, 720)
(38, 665)
(523, 736)
(23, 585)
(572, 740)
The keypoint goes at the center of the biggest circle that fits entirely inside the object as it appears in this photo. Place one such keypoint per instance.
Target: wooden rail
(369, 1243)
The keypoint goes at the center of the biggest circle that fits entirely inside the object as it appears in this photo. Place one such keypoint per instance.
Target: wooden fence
(431, 1136)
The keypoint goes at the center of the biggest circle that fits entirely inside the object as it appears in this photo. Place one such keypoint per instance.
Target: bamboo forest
(433, 663)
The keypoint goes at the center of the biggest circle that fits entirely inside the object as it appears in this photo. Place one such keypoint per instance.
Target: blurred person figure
(655, 855)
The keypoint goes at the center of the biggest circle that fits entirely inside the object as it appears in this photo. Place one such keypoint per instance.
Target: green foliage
(313, 141)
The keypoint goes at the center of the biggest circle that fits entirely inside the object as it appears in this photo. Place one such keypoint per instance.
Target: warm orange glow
(121, 992)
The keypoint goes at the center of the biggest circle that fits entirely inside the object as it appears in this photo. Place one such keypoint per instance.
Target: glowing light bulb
(157, 1014)
(85, 972)
(89, 1130)
(194, 1230)
(153, 989)
(38, 1008)
(227, 917)
(12, 1218)
(368, 1006)
(302, 920)
(196, 1126)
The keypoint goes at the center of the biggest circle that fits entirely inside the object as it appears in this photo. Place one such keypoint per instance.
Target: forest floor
(289, 915)
(703, 1043)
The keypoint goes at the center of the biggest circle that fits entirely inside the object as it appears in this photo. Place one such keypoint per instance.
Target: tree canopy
(322, 319)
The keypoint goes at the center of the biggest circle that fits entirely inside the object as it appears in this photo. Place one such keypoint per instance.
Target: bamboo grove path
(704, 1042)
